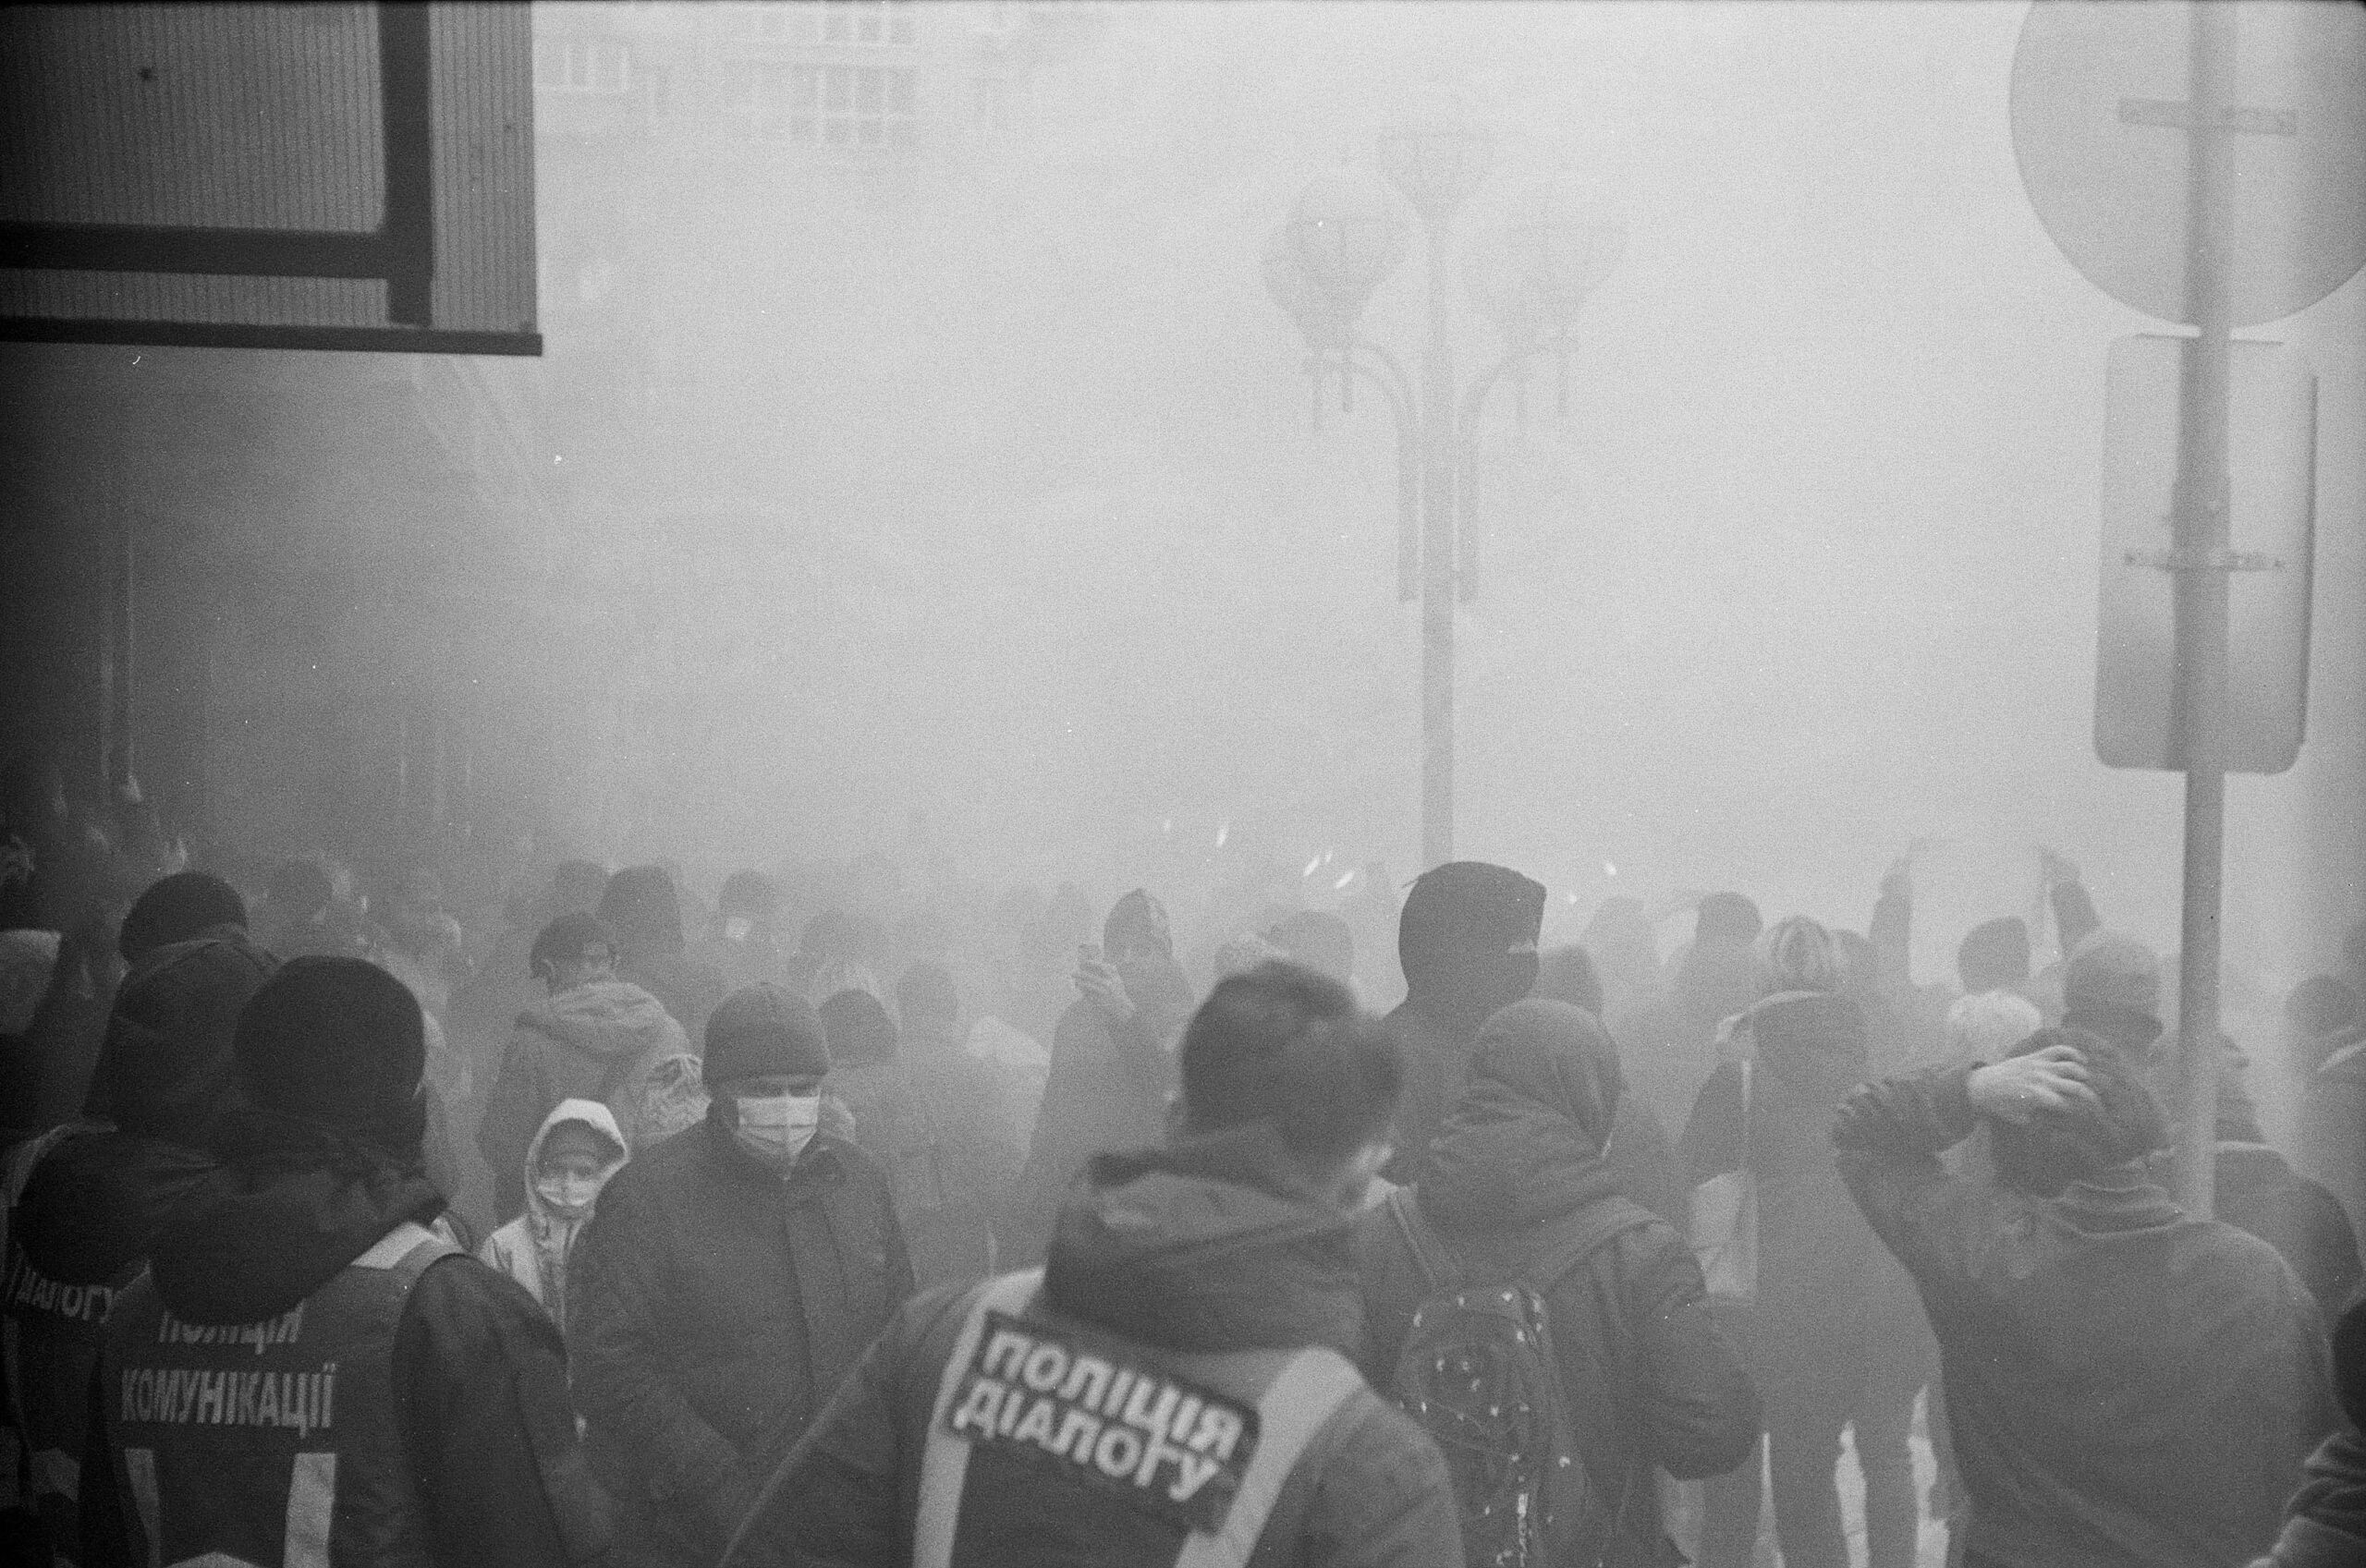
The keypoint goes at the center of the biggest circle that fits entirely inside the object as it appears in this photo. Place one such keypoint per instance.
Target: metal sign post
(2242, 202)
(2201, 501)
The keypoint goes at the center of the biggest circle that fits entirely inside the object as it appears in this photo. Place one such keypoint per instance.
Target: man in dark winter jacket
(1467, 940)
(88, 1197)
(1190, 1289)
(1111, 1069)
(1517, 1170)
(2129, 1387)
(729, 1281)
(308, 1372)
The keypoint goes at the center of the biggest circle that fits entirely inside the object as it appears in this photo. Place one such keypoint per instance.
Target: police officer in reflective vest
(1174, 1386)
(309, 1373)
(86, 1198)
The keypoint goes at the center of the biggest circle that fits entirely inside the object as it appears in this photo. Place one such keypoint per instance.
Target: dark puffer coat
(1650, 1380)
(1210, 1245)
(717, 1307)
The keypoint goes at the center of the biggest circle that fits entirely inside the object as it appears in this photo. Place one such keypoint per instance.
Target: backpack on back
(1479, 1373)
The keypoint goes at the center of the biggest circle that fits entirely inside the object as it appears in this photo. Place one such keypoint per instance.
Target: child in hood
(578, 1148)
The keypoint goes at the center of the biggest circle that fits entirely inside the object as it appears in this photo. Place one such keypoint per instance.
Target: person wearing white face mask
(729, 1281)
(578, 1149)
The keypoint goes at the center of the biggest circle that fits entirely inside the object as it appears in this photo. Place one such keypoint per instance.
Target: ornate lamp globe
(1438, 154)
(1347, 233)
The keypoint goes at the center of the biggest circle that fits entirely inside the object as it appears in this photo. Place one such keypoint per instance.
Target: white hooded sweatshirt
(533, 1248)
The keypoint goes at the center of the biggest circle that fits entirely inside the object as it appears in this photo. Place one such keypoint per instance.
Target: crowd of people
(859, 1220)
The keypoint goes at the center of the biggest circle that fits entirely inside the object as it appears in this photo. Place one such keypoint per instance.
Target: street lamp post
(1345, 235)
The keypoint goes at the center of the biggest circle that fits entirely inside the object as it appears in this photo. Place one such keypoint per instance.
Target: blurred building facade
(714, 180)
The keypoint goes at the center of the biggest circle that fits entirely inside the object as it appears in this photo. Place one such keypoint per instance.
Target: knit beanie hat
(762, 1029)
(176, 909)
(1995, 954)
(642, 908)
(340, 1043)
(165, 1064)
(2111, 970)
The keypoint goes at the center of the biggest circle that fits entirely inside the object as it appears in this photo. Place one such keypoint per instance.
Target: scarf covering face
(1524, 1141)
(1467, 940)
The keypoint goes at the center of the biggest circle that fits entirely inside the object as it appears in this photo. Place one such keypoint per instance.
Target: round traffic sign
(2101, 128)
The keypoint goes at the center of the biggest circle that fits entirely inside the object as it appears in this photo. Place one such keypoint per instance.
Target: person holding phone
(1112, 1069)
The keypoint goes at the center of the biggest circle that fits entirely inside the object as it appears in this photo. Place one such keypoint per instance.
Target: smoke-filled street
(1362, 784)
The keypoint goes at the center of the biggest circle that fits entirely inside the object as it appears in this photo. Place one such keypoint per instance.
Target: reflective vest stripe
(312, 1507)
(398, 1244)
(1309, 1390)
(1313, 1385)
(945, 1461)
(139, 1468)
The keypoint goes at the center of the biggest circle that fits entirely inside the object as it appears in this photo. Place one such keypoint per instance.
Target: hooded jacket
(1467, 942)
(532, 1249)
(598, 1042)
(1650, 1379)
(1210, 1245)
(2125, 1384)
(717, 1307)
(478, 1374)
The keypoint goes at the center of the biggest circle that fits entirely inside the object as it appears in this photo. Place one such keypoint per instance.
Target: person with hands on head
(727, 1284)
(2126, 1385)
